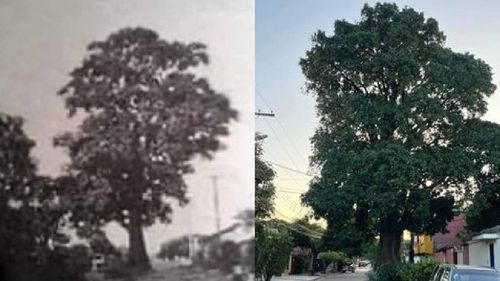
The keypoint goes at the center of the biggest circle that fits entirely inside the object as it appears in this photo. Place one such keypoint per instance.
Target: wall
(446, 255)
(479, 254)
(440, 256)
(423, 245)
(497, 254)
(466, 254)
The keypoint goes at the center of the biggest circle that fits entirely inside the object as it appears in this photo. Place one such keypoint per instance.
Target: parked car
(450, 272)
(348, 267)
(363, 263)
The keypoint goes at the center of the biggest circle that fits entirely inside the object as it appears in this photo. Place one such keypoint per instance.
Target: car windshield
(475, 275)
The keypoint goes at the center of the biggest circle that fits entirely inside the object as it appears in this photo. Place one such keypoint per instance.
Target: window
(438, 274)
(446, 275)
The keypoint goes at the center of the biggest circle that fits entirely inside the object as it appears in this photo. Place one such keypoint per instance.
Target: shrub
(404, 271)
(333, 257)
(62, 264)
(396, 271)
(116, 268)
(273, 249)
(423, 271)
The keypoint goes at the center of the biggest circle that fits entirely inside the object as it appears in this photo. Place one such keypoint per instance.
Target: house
(448, 247)
(484, 248)
(423, 247)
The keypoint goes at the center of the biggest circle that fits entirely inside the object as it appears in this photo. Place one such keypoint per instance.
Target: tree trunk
(137, 256)
(411, 253)
(390, 244)
(268, 276)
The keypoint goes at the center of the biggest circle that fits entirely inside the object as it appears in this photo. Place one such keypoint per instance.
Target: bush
(273, 249)
(396, 271)
(62, 264)
(404, 271)
(116, 268)
(423, 271)
(333, 257)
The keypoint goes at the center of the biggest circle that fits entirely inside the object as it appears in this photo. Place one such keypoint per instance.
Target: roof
(491, 233)
(491, 230)
(450, 239)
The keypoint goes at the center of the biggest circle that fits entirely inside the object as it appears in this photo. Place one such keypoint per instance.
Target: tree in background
(482, 211)
(146, 115)
(307, 236)
(350, 239)
(178, 247)
(17, 171)
(337, 258)
(395, 108)
(273, 249)
(272, 242)
(264, 188)
(32, 209)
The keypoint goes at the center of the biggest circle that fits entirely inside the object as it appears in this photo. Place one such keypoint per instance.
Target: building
(484, 248)
(423, 247)
(448, 247)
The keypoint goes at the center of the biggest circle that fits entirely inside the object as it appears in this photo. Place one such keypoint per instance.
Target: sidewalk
(295, 278)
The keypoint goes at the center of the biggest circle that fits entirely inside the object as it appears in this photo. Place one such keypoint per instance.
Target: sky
(283, 29)
(42, 41)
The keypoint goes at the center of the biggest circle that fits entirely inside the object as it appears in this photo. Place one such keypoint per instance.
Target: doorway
(492, 255)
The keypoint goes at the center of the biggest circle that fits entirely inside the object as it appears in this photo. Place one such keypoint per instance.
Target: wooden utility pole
(265, 114)
(216, 203)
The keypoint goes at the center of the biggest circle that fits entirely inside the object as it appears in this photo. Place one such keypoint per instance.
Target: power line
(288, 168)
(292, 179)
(301, 209)
(304, 230)
(263, 99)
(281, 144)
(290, 140)
(288, 191)
(295, 208)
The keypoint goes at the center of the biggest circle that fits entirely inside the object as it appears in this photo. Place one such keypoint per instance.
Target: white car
(450, 272)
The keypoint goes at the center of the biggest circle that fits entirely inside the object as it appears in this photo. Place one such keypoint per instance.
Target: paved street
(294, 278)
(358, 276)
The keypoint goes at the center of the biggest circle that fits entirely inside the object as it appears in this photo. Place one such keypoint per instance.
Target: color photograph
(377, 135)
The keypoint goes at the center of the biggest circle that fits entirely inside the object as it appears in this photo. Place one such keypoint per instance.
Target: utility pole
(191, 246)
(265, 114)
(216, 203)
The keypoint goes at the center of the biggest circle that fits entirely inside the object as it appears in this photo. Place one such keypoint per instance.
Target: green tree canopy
(264, 188)
(305, 234)
(394, 106)
(146, 115)
(272, 253)
(482, 211)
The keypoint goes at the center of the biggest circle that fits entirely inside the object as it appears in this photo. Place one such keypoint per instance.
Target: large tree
(146, 114)
(394, 105)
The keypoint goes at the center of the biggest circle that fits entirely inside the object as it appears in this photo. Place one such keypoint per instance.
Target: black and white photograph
(126, 140)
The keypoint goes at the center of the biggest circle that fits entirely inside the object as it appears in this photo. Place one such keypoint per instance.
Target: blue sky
(283, 29)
